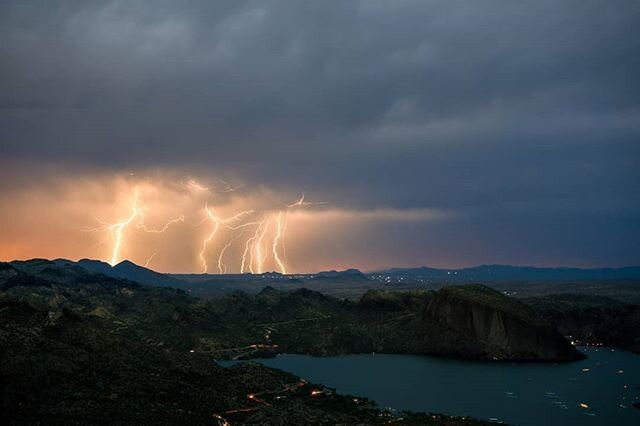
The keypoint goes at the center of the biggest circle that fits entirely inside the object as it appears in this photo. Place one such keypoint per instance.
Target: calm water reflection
(526, 394)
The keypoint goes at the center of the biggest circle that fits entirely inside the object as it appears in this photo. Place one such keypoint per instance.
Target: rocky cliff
(487, 324)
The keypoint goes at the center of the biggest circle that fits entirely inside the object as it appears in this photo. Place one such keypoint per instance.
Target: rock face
(490, 325)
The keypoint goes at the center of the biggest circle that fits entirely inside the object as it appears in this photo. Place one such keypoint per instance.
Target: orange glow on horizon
(183, 226)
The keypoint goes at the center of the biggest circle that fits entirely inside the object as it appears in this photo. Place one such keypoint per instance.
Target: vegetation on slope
(83, 348)
(590, 319)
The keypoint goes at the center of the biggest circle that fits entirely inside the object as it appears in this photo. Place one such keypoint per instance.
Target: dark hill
(83, 348)
(346, 275)
(129, 270)
(593, 320)
(496, 326)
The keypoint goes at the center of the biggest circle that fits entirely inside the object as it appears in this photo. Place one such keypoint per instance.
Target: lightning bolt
(222, 267)
(297, 203)
(281, 228)
(207, 240)
(258, 246)
(276, 239)
(217, 222)
(142, 226)
(301, 203)
(264, 246)
(118, 228)
(253, 250)
(249, 248)
(146, 264)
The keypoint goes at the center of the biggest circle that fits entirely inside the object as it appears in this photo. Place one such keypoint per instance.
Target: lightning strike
(146, 264)
(118, 228)
(217, 221)
(297, 203)
(301, 203)
(142, 226)
(222, 267)
(276, 240)
(249, 248)
(208, 239)
(264, 246)
(258, 247)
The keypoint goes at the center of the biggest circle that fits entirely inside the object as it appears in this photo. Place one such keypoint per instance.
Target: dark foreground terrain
(79, 347)
(592, 320)
(593, 306)
(83, 348)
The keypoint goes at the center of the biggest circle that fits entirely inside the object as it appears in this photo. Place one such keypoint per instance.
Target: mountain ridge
(499, 272)
(489, 272)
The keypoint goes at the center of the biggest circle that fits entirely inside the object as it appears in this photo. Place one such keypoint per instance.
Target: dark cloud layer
(524, 119)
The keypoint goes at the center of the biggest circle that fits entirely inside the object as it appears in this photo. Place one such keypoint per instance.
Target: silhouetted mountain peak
(129, 270)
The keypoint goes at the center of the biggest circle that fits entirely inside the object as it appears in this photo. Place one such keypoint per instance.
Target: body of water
(597, 391)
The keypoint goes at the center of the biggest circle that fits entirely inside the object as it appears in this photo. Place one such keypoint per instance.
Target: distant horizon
(364, 271)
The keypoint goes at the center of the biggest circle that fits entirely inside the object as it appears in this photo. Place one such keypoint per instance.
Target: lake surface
(523, 394)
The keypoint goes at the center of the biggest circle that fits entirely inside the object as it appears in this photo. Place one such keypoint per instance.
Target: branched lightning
(254, 257)
(117, 229)
(142, 226)
(249, 248)
(264, 246)
(301, 203)
(217, 222)
(281, 228)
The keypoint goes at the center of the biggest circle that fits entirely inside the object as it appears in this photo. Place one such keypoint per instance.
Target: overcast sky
(514, 125)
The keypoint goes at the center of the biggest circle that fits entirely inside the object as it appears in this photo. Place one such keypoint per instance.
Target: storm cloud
(520, 120)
